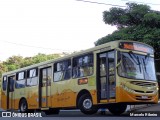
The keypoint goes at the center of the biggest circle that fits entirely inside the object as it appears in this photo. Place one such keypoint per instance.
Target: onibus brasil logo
(14, 114)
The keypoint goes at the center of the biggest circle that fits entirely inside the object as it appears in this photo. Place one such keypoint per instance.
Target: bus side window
(12, 81)
(67, 69)
(83, 66)
(32, 79)
(76, 68)
(20, 81)
(58, 73)
(88, 65)
(4, 84)
(62, 70)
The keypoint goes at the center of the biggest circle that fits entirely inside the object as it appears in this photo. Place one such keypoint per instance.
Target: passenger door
(4, 93)
(10, 92)
(106, 81)
(45, 86)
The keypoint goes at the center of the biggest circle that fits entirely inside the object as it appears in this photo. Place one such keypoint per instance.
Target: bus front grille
(139, 91)
(146, 84)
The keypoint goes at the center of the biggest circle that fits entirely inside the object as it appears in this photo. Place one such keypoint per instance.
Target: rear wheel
(85, 104)
(52, 111)
(117, 109)
(23, 107)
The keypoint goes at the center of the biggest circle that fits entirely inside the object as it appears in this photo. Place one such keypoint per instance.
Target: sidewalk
(136, 107)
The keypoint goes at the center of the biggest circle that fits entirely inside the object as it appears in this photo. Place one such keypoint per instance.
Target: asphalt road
(77, 115)
(151, 108)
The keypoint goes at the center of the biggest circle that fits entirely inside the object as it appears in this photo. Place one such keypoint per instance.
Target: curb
(136, 107)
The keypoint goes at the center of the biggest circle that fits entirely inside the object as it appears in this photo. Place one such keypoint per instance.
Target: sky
(29, 27)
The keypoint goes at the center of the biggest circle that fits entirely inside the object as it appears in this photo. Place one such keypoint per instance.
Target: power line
(140, 2)
(101, 3)
(33, 46)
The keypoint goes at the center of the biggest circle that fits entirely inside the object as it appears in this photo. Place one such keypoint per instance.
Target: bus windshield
(136, 66)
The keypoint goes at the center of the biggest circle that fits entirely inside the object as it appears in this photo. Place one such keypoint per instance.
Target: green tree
(3, 68)
(16, 62)
(13, 62)
(136, 22)
(41, 58)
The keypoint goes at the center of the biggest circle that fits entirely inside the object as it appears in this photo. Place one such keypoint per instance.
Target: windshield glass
(137, 66)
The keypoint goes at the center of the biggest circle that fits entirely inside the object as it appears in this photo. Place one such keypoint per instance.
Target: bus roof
(112, 45)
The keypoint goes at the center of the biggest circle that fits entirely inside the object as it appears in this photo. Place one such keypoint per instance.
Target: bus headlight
(128, 89)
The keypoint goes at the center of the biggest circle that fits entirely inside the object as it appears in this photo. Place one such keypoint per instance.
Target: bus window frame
(81, 56)
(28, 73)
(62, 61)
(3, 82)
(9, 77)
(17, 75)
(121, 63)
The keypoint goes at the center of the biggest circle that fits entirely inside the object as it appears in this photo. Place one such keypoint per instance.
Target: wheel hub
(87, 103)
(23, 107)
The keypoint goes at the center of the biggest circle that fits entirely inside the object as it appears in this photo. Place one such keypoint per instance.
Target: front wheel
(85, 104)
(117, 109)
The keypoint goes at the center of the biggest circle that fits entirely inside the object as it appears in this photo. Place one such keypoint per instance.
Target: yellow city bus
(112, 75)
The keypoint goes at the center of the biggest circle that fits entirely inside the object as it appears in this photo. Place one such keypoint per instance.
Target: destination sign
(136, 46)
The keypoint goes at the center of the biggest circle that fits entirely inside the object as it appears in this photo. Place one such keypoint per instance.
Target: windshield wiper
(134, 59)
(147, 58)
(145, 68)
(130, 54)
(145, 61)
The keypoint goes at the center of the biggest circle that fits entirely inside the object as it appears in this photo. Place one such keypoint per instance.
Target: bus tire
(117, 109)
(23, 106)
(52, 111)
(85, 104)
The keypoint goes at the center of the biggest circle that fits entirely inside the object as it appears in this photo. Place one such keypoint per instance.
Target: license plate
(144, 97)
